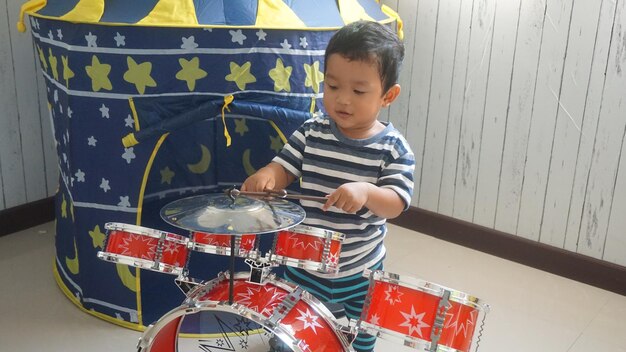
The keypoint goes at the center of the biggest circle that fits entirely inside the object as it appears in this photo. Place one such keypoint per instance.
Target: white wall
(516, 111)
(28, 164)
(514, 108)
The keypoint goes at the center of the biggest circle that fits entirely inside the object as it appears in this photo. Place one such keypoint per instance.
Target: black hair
(369, 42)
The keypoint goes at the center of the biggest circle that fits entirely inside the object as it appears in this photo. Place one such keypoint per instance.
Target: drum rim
(260, 319)
(304, 264)
(140, 263)
(146, 231)
(315, 231)
(427, 287)
(403, 339)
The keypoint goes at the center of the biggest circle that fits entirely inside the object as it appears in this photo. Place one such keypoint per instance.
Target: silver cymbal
(221, 214)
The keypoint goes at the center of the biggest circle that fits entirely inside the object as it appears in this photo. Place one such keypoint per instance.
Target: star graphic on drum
(138, 246)
(309, 320)
(261, 299)
(375, 320)
(333, 258)
(392, 295)
(414, 322)
(306, 241)
(455, 320)
(170, 247)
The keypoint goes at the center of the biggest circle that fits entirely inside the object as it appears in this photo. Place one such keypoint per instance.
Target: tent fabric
(279, 14)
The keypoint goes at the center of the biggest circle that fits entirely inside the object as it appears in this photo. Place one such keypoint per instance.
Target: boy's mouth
(343, 114)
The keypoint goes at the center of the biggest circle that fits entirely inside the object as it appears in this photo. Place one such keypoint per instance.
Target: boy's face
(353, 96)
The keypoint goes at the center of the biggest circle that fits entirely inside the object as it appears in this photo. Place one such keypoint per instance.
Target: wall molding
(26, 215)
(585, 269)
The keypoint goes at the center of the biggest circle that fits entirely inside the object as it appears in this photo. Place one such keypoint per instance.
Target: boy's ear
(391, 95)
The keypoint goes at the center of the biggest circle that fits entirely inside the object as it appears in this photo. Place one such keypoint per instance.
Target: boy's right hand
(260, 181)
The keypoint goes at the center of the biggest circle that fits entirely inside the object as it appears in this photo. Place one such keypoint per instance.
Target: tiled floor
(530, 310)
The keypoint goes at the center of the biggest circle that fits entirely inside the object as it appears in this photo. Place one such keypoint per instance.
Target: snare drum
(279, 308)
(308, 248)
(145, 248)
(421, 314)
(220, 244)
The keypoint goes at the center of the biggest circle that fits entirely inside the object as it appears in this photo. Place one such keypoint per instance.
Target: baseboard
(558, 261)
(26, 215)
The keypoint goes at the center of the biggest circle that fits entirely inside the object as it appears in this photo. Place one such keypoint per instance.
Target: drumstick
(277, 194)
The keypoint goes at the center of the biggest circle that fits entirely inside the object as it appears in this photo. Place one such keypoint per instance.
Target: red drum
(309, 248)
(145, 248)
(283, 310)
(220, 244)
(421, 314)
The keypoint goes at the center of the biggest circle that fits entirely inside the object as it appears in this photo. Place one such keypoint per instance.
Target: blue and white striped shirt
(325, 159)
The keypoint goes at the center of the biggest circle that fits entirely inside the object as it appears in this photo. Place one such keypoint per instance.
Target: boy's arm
(351, 197)
(272, 176)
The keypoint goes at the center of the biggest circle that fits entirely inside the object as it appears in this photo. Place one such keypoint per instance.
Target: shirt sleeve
(290, 157)
(397, 174)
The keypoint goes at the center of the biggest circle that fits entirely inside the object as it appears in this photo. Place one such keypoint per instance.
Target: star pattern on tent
(104, 184)
(124, 202)
(241, 127)
(188, 43)
(60, 34)
(313, 76)
(139, 75)
(276, 144)
(129, 154)
(237, 36)
(99, 74)
(53, 64)
(97, 237)
(285, 45)
(190, 72)
(104, 111)
(129, 121)
(42, 58)
(91, 40)
(303, 42)
(91, 141)
(167, 175)
(67, 74)
(120, 40)
(280, 74)
(80, 176)
(240, 75)
(261, 34)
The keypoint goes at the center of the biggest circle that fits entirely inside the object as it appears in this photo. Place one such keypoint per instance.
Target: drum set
(281, 315)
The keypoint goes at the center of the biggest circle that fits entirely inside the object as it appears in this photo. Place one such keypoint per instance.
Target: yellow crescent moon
(247, 166)
(72, 264)
(203, 165)
(128, 279)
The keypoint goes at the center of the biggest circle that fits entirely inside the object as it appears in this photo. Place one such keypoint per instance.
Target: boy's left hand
(349, 197)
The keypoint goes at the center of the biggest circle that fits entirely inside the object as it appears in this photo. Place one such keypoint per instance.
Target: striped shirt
(325, 159)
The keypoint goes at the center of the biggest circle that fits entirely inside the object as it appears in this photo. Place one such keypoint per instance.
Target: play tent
(156, 100)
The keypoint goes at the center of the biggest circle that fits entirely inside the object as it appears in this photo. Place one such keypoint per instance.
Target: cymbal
(221, 214)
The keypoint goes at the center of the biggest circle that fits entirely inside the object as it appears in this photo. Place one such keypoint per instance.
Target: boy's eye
(330, 86)
(358, 92)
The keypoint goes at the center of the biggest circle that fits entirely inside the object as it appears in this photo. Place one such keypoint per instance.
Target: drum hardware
(442, 309)
(186, 284)
(260, 269)
(285, 307)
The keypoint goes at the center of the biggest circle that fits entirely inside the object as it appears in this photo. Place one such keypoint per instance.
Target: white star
(189, 43)
(237, 36)
(60, 108)
(460, 326)
(120, 40)
(80, 176)
(375, 320)
(50, 35)
(285, 44)
(130, 122)
(105, 185)
(37, 23)
(303, 42)
(91, 40)
(56, 96)
(414, 322)
(69, 112)
(392, 295)
(59, 34)
(92, 141)
(309, 320)
(129, 154)
(207, 29)
(104, 111)
(124, 202)
(261, 34)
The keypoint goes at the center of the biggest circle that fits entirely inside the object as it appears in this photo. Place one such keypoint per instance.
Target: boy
(364, 166)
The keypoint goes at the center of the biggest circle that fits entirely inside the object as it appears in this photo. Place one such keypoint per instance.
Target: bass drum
(274, 316)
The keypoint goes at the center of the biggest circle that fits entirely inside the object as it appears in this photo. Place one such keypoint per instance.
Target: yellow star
(276, 144)
(191, 72)
(99, 74)
(313, 76)
(97, 237)
(42, 58)
(167, 175)
(63, 207)
(67, 72)
(240, 75)
(240, 126)
(139, 75)
(53, 64)
(280, 74)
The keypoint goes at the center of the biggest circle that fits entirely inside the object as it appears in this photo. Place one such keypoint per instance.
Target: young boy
(364, 166)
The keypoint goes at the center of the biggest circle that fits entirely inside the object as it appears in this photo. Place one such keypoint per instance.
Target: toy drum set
(415, 313)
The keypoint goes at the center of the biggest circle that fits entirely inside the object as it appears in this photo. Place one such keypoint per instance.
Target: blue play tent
(156, 100)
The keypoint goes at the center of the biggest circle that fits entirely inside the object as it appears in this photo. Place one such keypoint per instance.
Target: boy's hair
(369, 42)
